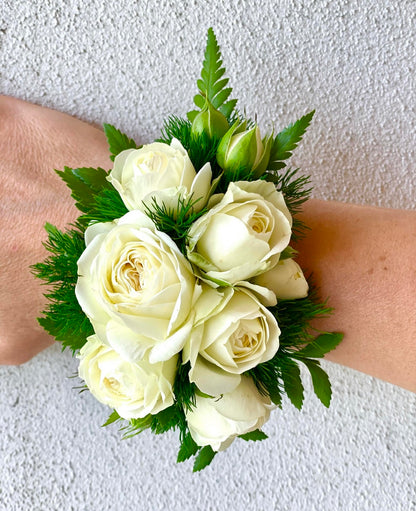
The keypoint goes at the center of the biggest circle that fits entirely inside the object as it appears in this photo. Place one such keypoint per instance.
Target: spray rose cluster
(153, 306)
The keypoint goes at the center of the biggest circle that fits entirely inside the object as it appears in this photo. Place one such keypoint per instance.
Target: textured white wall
(131, 63)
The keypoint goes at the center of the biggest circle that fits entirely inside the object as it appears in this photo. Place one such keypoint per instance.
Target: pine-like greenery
(174, 222)
(201, 149)
(63, 317)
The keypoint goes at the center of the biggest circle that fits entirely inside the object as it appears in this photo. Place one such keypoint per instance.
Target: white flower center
(246, 339)
(132, 273)
(151, 162)
(259, 223)
(113, 385)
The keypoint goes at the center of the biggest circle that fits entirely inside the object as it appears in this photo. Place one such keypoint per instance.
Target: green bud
(261, 166)
(210, 121)
(244, 148)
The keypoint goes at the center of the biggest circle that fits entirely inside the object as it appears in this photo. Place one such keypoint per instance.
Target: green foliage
(108, 206)
(183, 389)
(290, 374)
(118, 141)
(167, 419)
(296, 191)
(288, 253)
(187, 449)
(84, 184)
(320, 346)
(204, 458)
(255, 436)
(98, 200)
(241, 173)
(176, 127)
(287, 140)
(200, 148)
(320, 381)
(63, 317)
(212, 85)
(281, 374)
(174, 222)
(95, 196)
(267, 378)
(136, 426)
(65, 247)
(114, 417)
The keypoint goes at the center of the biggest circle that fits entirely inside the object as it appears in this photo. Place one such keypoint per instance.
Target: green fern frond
(212, 85)
(287, 140)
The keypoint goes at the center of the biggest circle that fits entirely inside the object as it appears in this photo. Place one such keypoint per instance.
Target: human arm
(347, 249)
(33, 142)
(364, 259)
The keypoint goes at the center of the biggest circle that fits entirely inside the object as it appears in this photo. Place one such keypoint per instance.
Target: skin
(33, 142)
(363, 258)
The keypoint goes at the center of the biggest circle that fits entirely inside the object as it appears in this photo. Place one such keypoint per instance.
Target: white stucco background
(131, 63)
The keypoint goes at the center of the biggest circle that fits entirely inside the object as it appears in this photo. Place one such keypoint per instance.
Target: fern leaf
(287, 140)
(212, 85)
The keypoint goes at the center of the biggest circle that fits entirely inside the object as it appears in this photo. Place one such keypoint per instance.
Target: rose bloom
(133, 389)
(217, 421)
(232, 333)
(286, 280)
(161, 172)
(242, 235)
(136, 288)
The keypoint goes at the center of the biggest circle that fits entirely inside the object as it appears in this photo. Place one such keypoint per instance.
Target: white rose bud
(286, 280)
(242, 235)
(136, 288)
(133, 389)
(159, 171)
(217, 421)
(232, 333)
(241, 148)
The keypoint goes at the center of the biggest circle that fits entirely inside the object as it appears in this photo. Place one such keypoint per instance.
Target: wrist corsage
(177, 287)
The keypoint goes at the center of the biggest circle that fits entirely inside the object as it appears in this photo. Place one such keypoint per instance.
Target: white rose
(133, 389)
(286, 280)
(217, 421)
(232, 333)
(136, 288)
(243, 235)
(161, 172)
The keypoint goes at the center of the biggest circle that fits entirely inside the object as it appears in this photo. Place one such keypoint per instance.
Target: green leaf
(320, 381)
(114, 417)
(287, 140)
(187, 449)
(321, 345)
(293, 383)
(204, 458)
(118, 141)
(255, 436)
(227, 108)
(84, 183)
(211, 85)
(276, 395)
